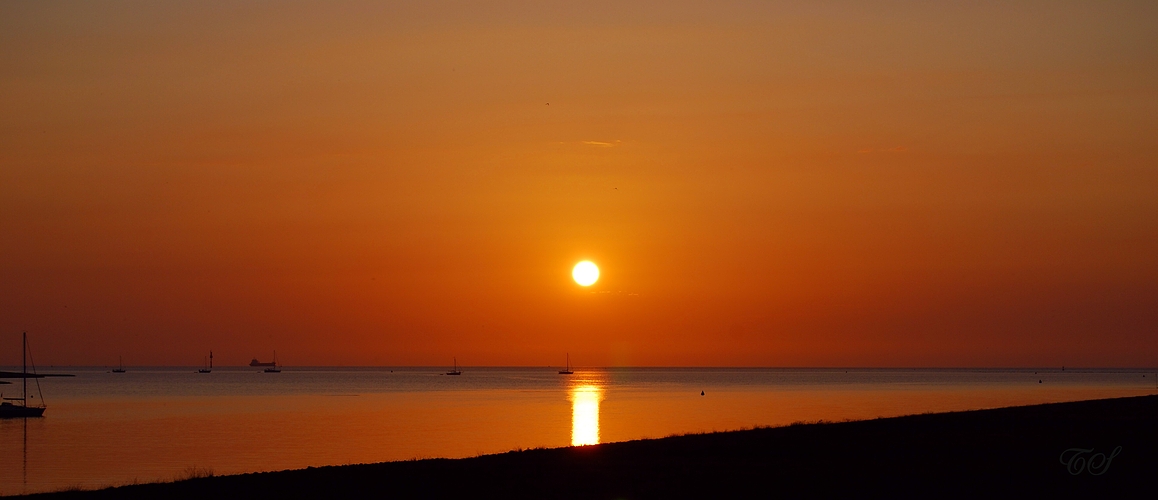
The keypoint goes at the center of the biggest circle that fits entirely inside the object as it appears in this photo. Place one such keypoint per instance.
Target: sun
(585, 273)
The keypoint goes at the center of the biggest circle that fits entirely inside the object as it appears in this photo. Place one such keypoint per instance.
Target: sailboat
(567, 370)
(207, 368)
(120, 365)
(455, 371)
(275, 368)
(23, 410)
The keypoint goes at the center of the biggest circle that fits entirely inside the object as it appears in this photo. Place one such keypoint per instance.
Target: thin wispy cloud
(600, 144)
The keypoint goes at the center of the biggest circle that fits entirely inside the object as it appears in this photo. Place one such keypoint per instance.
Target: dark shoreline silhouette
(1041, 451)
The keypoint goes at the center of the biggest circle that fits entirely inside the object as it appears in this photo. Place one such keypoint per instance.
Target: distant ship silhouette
(567, 370)
(209, 367)
(272, 367)
(455, 371)
(23, 410)
(256, 363)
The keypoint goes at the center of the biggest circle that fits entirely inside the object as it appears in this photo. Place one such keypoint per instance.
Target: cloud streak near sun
(601, 144)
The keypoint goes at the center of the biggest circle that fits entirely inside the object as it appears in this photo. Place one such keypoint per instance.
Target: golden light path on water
(585, 414)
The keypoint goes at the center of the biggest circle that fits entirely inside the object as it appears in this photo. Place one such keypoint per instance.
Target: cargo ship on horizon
(256, 363)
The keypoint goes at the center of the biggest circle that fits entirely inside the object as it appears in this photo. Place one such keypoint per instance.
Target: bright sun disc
(585, 273)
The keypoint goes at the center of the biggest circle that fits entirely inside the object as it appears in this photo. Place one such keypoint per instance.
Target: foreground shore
(1112, 451)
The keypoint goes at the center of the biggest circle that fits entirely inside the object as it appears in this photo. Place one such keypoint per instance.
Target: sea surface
(156, 424)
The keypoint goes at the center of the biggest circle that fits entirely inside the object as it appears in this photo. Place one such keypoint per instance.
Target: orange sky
(761, 183)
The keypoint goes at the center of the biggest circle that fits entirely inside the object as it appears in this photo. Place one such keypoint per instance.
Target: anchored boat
(19, 407)
(208, 368)
(567, 370)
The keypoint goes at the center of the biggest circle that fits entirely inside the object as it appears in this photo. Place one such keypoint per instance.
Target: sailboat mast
(24, 371)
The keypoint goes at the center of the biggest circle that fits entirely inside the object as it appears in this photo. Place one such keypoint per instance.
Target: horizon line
(747, 367)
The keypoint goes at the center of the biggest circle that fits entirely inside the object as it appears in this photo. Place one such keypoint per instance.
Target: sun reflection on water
(585, 414)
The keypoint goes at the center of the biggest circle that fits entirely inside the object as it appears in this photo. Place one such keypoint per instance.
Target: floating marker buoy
(701, 393)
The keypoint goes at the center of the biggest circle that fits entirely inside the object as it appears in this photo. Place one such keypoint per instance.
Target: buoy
(701, 393)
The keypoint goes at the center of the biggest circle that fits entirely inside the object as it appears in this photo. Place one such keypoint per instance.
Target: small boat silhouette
(209, 367)
(23, 410)
(272, 369)
(455, 371)
(567, 370)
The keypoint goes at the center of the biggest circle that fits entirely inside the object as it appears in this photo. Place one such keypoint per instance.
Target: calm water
(154, 424)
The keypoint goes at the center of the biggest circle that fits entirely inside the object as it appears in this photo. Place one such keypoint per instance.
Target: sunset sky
(761, 183)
